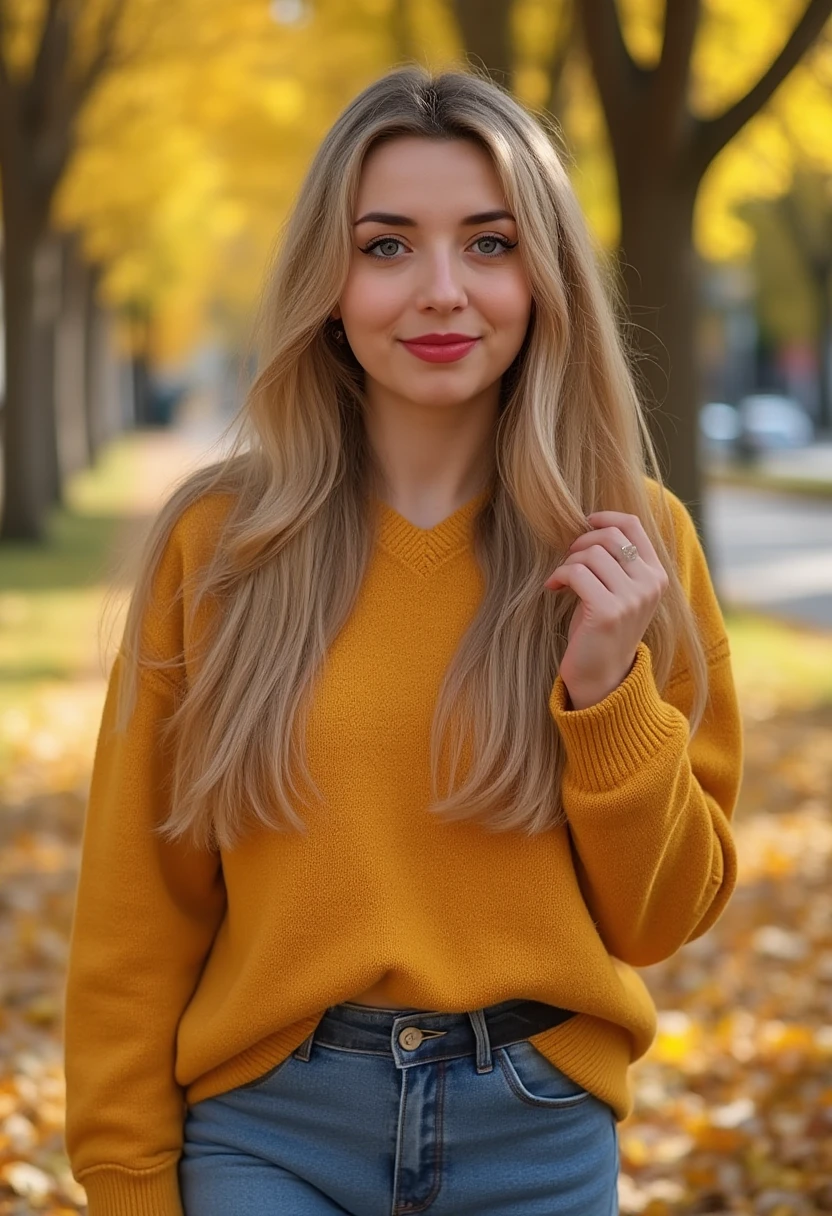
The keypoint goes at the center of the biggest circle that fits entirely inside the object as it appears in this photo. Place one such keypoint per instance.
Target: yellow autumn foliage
(190, 153)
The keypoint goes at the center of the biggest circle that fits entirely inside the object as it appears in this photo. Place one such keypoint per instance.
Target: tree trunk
(70, 379)
(47, 311)
(37, 116)
(141, 389)
(815, 252)
(659, 271)
(93, 404)
(103, 406)
(25, 493)
(824, 348)
(486, 36)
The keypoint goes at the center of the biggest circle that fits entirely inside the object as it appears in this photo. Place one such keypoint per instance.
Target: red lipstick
(440, 348)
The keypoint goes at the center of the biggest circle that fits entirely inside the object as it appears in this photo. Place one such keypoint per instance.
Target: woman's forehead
(435, 176)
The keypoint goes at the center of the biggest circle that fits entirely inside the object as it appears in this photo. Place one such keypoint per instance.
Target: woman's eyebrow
(403, 221)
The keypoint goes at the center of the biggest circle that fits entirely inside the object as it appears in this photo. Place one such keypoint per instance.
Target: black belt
(507, 1022)
(521, 1022)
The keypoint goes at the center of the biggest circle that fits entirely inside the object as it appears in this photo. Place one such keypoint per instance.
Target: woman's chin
(440, 393)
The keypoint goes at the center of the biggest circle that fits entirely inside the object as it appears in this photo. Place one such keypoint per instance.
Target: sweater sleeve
(649, 809)
(145, 916)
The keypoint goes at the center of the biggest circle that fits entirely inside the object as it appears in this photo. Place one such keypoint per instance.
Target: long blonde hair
(298, 534)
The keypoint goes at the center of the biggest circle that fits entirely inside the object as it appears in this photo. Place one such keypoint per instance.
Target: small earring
(338, 335)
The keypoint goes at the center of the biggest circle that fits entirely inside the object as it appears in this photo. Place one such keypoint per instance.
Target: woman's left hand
(618, 600)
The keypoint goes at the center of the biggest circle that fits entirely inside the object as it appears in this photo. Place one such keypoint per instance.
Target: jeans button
(410, 1038)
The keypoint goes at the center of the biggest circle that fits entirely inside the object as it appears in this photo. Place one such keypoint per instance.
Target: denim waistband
(415, 1036)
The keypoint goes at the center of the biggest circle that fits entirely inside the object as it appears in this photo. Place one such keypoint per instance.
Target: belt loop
(484, 1061)
(304, 1050)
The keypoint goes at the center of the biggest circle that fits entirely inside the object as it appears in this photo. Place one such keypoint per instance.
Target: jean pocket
(535, 1080)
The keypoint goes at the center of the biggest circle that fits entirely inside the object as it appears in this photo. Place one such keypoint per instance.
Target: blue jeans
(353, 1122)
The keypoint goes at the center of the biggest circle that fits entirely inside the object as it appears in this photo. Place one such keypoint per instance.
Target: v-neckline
(423, 549)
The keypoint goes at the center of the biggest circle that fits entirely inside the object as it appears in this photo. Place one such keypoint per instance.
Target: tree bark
(141, 389)
(567, 40)
(25, 442)
(813, 244)
(823, 285)
(31, 467)
(106, 413)
(659, 269)
(71, 377)
(486, 36)
(47, 311)
(661, 153)
(37, 116)
(93, 426)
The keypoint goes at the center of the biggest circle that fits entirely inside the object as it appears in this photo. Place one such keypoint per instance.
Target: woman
(385, 964)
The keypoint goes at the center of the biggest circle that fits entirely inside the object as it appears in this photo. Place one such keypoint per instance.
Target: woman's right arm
(146, 914)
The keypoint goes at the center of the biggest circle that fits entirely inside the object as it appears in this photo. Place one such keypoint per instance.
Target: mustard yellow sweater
(191, 973)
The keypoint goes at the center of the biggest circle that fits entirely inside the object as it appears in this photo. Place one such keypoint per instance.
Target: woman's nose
(441, 284)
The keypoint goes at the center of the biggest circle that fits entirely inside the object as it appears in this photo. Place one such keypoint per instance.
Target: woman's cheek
(370, 306)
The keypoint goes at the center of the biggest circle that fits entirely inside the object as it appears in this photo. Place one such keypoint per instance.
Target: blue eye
(388, 247)
(501, 242)
(379, 243)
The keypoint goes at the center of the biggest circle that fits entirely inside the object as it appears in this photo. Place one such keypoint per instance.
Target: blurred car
(771, 422)
(719, 427)
(762, 422)
(163, 396)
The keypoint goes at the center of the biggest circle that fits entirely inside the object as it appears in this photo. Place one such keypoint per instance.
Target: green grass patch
(52, 592)
(778, 665)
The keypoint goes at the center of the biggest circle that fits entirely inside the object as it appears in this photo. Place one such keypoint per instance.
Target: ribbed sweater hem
(606, 743)
(253, 1063)
(594, 1053)
(114, 1190)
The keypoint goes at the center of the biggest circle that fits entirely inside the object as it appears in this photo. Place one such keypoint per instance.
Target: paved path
(772, 552)
(165, 457)
(812, 462)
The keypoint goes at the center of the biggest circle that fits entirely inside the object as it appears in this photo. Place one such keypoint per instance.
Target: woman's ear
(336, 313)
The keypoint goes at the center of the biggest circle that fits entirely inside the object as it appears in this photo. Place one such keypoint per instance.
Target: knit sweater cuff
(113, 1190)
(607, 742)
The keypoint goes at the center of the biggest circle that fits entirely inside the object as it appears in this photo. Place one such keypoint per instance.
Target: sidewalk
(164, 458)
(191, 441)
(812, 463)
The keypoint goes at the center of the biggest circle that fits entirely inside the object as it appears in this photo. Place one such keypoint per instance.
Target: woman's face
(434, 253)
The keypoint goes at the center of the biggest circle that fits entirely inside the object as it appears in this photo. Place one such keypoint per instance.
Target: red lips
(440, 348)
(439, 339)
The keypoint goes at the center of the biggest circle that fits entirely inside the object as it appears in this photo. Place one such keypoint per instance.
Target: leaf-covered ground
(733, 1102)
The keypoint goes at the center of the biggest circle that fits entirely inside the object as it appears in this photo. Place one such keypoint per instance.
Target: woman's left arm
(649, 808)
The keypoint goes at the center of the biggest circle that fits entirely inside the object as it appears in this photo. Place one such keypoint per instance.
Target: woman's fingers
(618, 599)
(612, 540)
(583, 581)
(607, 569)
(636, 584)
(632, 528)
